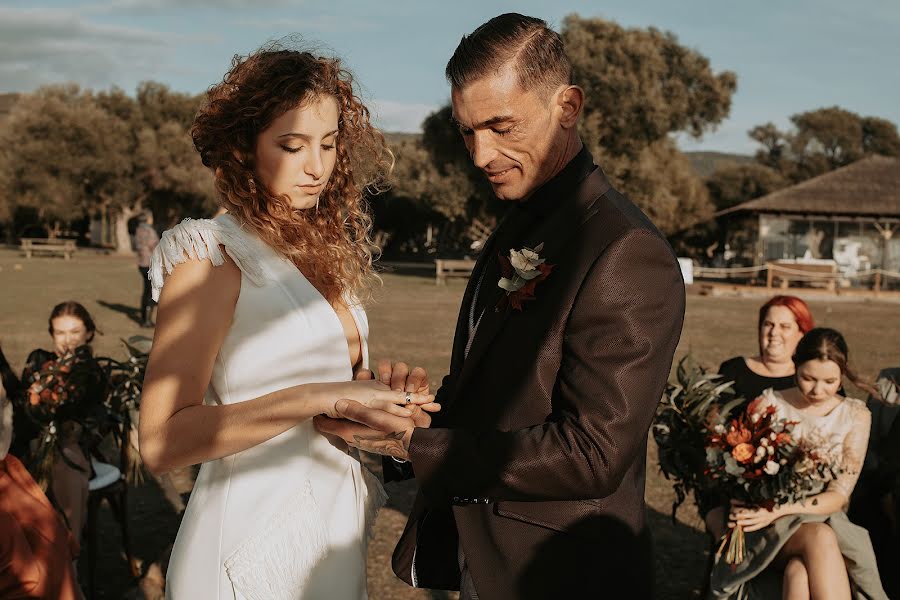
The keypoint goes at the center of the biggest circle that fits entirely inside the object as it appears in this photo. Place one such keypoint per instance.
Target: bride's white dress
(287, 519)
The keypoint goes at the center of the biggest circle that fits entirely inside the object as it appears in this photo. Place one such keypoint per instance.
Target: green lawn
(412, 320)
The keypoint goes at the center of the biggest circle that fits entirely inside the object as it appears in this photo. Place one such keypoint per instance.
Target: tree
(641, 86)
(63, 154)
(68, 153)
(733, 184)
(823, 140)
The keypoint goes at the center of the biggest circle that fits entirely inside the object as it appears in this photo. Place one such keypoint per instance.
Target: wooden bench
(52, 247)
(823, 272)
(452, 268)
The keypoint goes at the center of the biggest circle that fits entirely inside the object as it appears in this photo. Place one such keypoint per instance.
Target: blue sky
(789, 56)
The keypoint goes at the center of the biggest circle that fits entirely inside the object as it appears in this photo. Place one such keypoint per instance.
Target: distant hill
(705, 163)
(395, 137)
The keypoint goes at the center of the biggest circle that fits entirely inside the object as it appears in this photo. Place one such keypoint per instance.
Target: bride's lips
(312, 189)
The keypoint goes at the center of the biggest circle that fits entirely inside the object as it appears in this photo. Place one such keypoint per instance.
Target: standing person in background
(145, 241)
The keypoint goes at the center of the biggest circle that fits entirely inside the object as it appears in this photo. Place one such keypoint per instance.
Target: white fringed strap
(200, 239)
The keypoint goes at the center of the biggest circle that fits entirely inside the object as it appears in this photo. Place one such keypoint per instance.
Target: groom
(532, 477)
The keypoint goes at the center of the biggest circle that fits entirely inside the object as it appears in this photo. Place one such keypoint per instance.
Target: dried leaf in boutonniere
(522, 272)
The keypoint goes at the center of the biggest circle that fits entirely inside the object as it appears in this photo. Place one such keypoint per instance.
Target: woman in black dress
(783, 320)
(74, 422)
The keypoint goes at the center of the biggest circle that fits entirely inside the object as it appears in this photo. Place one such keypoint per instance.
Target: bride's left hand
(400, 378)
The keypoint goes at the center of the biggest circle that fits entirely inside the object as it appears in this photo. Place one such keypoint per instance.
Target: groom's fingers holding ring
(417, 380)
(399, 375)
(385, 367)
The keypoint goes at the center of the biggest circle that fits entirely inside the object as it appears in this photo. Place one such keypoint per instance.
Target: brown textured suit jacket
(536, 463)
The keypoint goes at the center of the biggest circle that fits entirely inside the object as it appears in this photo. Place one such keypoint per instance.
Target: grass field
(413, 320)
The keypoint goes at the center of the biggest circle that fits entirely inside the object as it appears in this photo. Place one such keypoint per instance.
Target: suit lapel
(461, 337)
(555, 232)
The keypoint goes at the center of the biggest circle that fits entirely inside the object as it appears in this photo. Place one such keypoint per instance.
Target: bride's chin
(304, 204)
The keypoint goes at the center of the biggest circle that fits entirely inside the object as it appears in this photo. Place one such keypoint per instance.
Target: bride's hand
(373, 394)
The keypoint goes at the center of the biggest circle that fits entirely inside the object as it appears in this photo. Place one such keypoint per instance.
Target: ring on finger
(408, 397)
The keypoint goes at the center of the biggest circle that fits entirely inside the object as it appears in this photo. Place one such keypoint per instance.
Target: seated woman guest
(36, 549)
(782, 322)
(809, 549)
(873, 504)
(71, 329)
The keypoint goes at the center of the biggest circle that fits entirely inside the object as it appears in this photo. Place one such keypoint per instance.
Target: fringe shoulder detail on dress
(203, 239)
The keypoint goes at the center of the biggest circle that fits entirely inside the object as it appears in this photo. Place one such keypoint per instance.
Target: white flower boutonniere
(522, 271)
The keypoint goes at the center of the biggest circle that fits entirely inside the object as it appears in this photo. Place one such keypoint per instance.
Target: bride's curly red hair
(330, 245)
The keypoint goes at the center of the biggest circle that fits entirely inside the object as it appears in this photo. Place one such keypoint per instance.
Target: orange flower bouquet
(755, 458)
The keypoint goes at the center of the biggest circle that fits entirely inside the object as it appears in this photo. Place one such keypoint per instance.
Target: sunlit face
(779, 334)
(513, 135)
(295, 155)
(68, 333)
(819, 380)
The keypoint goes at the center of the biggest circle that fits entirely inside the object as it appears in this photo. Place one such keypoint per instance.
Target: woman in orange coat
(36, 547)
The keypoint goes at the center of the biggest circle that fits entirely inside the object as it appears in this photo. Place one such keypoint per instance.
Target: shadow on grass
(152, 524)
(131, 312)
(680, 555)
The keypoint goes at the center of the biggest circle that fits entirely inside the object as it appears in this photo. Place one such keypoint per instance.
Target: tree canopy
(68, 152)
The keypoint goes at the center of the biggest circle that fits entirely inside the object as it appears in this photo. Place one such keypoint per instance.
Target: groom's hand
(370, 429)
(400, 378)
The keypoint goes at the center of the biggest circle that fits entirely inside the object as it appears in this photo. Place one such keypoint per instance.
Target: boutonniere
(522, 271)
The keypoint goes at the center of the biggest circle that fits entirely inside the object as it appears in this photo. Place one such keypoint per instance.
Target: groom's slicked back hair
(535, 51)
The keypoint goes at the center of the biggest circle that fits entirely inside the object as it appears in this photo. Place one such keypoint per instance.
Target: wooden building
(850, 216)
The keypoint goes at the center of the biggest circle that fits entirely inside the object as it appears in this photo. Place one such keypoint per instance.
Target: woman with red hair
(783, 321)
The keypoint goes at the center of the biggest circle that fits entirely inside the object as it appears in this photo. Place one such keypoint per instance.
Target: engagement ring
(408, 397)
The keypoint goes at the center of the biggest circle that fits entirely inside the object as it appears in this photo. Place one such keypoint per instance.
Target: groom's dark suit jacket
(535, 464)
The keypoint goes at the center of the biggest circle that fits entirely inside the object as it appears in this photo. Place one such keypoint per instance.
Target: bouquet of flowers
(58, 404)
(689, 407)
(756, 459)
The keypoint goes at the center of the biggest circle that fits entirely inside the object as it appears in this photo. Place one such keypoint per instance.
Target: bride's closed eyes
(325, 147)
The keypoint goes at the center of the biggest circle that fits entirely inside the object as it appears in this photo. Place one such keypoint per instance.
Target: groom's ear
(569, 102)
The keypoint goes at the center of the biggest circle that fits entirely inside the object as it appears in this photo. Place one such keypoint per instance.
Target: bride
(260, 328)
